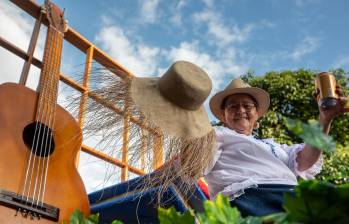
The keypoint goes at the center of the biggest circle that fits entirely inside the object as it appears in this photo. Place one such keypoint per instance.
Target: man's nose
(241, 108)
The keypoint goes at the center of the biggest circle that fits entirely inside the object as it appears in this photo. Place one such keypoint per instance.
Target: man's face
(240, 113)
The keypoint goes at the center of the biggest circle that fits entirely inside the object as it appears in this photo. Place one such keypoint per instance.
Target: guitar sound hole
(43, 143)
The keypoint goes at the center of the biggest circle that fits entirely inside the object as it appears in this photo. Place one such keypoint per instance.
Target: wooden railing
(92, 53)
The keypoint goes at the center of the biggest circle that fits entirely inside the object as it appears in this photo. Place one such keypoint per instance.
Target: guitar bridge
(27, 206)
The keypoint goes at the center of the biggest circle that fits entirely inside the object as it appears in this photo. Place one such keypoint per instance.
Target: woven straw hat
(239, 86)
(171, 105)
(174, 101)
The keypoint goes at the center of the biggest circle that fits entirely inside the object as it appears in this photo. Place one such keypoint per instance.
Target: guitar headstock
(55, 16)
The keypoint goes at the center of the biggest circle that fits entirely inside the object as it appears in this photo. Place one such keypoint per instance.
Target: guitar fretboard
(49, 78)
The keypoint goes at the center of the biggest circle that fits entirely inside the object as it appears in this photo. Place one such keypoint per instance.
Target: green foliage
(117, 222)
(78, 217)
(336, 166)
(318, 202)
(277, 218)
(311, 134)
(168, 216)
(219, 212)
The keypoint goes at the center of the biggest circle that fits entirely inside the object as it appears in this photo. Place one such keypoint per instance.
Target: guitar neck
(49, 77)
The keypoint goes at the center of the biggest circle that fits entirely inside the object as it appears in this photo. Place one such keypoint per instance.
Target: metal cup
(326, 83)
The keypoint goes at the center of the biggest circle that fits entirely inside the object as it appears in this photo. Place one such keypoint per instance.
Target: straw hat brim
(260, 95)
(170, 118)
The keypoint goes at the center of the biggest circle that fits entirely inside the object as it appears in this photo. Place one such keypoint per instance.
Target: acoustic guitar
(39, 182)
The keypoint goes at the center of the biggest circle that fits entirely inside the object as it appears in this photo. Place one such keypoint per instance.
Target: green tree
(336, 166)
(291, 94)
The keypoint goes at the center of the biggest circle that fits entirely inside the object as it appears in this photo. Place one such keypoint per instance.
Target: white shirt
(243, 161)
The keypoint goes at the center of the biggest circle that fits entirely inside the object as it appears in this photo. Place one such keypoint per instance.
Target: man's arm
(310, 155)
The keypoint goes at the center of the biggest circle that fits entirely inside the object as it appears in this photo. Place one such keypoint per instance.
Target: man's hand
(309, 155)
(327, 114)
(339, 108)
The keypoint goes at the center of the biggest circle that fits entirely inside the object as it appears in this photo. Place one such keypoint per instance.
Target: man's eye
(233, 106)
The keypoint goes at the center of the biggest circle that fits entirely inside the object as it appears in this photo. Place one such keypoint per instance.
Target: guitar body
(64, 188)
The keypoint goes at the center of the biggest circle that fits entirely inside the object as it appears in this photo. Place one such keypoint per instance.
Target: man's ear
(256, 125)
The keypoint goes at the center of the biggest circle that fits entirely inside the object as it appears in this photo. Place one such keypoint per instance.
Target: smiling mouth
(241, 118)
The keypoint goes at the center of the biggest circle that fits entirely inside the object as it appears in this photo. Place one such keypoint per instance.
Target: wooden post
(87, 71)
(30, 52)
(158, 151)
(144, 147)
(124, 170)
(84, 94)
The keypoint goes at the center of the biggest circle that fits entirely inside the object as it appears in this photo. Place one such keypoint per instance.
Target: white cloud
(342, 62)
(208, 3)
(303, 3)
(144, 60)
(267, 24)
(14, 25)
(16, 29)
(149, 10)
(138, 57)
(96, 173)
(306, 46)
(222, 34)
(176, 18)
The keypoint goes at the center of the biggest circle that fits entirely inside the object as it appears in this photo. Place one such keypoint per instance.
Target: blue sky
(234, 34)
(225, 37)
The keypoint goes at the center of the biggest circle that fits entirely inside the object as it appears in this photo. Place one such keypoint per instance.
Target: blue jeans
(262, 200)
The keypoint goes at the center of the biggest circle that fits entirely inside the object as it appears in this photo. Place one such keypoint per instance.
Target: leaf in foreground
(311, 134)
(78, 217)
(171, 216)
(318, 202)
(219, 211)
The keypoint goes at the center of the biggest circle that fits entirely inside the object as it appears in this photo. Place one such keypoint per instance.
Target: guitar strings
(37, 132)
(42, 122)
(42, 168)
(31, 163)
(57, 54)
(45, 136)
